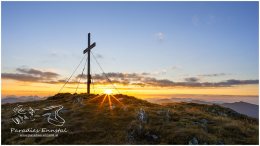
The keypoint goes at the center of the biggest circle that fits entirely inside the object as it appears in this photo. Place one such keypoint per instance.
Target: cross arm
(89, 48)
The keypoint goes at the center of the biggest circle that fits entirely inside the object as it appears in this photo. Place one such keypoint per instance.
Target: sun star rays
(106, 99)
(101, 104)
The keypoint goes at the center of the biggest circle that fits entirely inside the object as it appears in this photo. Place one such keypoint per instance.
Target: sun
(108, 91)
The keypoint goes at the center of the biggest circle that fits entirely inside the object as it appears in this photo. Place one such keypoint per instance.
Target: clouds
(126, 79)
(165, 70)
(160, 36)
(20, 77)
(192, 79)
(159, 83)
(119, 78)
(99, 56)
(238, 82)
(144, 79)
(194, 83)
(213, 75)
(39, 73)
(30, 75)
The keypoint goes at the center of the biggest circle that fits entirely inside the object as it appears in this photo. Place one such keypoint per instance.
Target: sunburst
(108, 91)
(107, 98)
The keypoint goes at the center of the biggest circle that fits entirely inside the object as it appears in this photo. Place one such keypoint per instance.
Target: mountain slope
(92, 119)
(251, 110)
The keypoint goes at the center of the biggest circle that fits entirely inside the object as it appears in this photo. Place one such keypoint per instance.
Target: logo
(23, 114)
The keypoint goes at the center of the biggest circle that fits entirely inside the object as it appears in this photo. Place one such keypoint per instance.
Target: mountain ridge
(241, 107)
(245, 108)
(15, 99)
(122, 119)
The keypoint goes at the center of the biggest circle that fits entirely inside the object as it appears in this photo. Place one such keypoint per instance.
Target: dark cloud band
(39, 73)
(136, 79)
(30, 75)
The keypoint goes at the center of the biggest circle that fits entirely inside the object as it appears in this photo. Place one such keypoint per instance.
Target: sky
(146, 48)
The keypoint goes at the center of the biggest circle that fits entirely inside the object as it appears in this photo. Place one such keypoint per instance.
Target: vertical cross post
(85, 51)
(89, 76)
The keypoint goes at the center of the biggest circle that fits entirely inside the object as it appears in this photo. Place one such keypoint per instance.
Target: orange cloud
(37, 82)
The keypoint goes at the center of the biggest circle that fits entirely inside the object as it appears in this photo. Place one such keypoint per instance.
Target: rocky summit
(121, 119)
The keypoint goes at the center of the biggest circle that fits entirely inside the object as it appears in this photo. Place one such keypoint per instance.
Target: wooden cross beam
(87, 50)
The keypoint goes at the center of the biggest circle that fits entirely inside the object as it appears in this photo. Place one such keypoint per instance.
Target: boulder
(204, 121)
(142, 116)
(152, 138)
(193, 141)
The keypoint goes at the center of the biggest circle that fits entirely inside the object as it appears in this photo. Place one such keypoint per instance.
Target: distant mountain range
(241, 107)
(14, 99)
(174, 99)
(245, 108)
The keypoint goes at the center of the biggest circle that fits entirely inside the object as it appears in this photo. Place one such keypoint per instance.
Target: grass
(90, 123)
